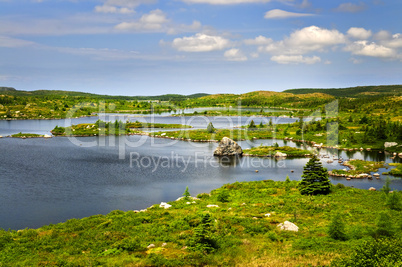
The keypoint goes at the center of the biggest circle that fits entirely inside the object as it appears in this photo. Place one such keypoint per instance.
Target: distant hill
(166, 97)
(357, 92)
(263, 98)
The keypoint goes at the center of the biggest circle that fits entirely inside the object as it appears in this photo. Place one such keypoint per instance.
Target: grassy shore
(396, 171)
(240, 230)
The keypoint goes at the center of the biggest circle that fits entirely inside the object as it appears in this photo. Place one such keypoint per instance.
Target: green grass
(26, 135)
(396, 171)
(112, 128)
(265, 151)
(239, 231)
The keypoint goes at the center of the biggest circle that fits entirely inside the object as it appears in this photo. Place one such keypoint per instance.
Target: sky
(153, 47)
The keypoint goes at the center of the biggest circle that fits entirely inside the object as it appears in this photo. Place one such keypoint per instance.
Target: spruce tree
(315, 178)
(210, 128)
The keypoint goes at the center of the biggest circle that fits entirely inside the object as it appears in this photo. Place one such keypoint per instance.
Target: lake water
(45, 181)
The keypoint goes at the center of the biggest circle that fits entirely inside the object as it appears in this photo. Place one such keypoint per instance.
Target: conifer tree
(336, 228)
(315, 178)
(210, 128)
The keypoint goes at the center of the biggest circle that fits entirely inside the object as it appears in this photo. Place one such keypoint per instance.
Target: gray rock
(228, 147)
(288, 226)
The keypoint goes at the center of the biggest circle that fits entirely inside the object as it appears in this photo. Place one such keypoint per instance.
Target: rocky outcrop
(228, 147)
(288, 226)
(390, 144)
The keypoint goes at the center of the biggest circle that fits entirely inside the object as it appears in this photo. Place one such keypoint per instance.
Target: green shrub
(394, 201)
(336, 228)
(223, 196)
(384, 225)
(373, 253)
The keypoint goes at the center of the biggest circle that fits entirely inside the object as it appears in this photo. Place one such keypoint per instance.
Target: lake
(45, 181)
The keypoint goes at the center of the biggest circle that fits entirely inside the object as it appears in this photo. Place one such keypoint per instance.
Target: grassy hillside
(360, 91)
(240, 230)
(263, 99)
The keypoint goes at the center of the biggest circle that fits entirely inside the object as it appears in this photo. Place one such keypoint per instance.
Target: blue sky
(152, 47)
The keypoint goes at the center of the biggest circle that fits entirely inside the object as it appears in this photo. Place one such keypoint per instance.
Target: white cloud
(113, 9)
(259, 40)
(300, 42)
(314, 38)
(200, 43)
(282, 14)
(152, 21)
(225, 2)
(295, 59)
(382, 35)
(234, 54)
(359, 33)
(350, 7)
(13, 42)
(121, 6)
(395, 41)
(364, 48)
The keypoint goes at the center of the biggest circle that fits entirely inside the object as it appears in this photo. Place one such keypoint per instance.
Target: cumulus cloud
(295, 59)
(394, 42)
(282, 14)
(225, 2)
(235, 54)
(359, 33)
(350, 7)
(292, 49)
(364, 48)
(200, 43)
(259, 40)
(152, 21)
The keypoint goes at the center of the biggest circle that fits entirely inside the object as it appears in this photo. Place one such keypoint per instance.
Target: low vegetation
(240, 230)
(110, 128)
(26, 135)
(270, 151)
(395, 171)
(357, 166)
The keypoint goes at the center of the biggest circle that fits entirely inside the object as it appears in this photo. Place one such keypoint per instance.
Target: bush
(384, 225)
(223, 196)
(374, 253)
(336, 228)
(394, 201)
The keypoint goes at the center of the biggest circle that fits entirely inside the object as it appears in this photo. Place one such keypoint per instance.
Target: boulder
(164, 205)
(280, 155)
(372, 189)
(212, 206)
(288, 226)
(228, 147)
(389, 144)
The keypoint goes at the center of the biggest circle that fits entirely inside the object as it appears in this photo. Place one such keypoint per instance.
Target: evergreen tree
(315, 178)
(186, 194)
(336, 228)
(252, 124)
(210, 128)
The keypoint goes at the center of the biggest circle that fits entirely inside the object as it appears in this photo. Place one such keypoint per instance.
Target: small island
(358, 169)
(277, 151)
(101, 128)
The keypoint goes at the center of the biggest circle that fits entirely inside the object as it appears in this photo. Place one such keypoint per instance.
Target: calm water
(198, 122)
(46, 181)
